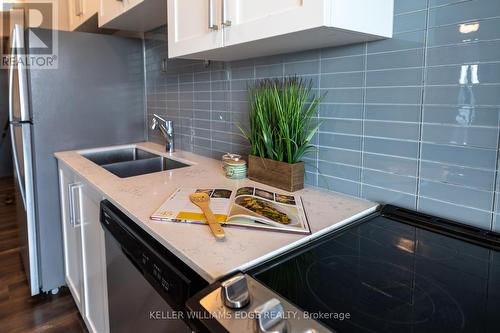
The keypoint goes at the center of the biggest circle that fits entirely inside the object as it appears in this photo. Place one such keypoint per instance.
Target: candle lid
(231, 157)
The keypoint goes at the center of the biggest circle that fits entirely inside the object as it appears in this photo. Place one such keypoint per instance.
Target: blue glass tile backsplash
(412, 120)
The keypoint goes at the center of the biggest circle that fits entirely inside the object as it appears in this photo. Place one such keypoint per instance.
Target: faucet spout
(166, 127)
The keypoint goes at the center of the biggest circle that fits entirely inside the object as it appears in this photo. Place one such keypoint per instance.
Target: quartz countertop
(138, 197)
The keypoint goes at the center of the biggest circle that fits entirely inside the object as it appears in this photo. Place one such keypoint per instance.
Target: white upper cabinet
(246, 21)
(266, 27)
(108, 10)
(132, 15)
(194, 26)
(80, 11)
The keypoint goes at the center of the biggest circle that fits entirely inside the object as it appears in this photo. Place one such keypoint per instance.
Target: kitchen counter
(138, 197)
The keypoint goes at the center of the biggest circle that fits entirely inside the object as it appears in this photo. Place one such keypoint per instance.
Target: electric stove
(394, 271)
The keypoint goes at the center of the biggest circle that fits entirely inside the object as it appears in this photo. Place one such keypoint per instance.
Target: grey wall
(412, 120)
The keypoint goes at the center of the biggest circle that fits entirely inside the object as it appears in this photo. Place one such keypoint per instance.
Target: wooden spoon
(202, 200)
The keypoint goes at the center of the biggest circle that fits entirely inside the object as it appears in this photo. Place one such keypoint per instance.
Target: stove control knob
(271, 317)
(235, 293)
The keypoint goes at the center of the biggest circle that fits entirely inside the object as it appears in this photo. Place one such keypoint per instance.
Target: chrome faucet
(166, 128)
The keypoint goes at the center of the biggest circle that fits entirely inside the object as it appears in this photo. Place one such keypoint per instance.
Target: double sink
(132, 161)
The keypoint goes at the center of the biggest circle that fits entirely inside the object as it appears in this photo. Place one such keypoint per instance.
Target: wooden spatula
(202, 200)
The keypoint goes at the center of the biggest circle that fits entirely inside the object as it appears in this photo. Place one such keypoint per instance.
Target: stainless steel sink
(142, 167)
(130, 162)
(118, 155)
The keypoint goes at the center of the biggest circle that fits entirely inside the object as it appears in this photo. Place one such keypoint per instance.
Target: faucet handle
(158, 117)
(168, 124)
(154, 124)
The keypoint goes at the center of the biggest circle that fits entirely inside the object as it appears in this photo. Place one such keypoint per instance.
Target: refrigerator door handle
(23, 79)
(12, 118)
(11, 78)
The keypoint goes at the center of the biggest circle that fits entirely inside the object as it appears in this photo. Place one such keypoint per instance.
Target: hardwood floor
(19, 312)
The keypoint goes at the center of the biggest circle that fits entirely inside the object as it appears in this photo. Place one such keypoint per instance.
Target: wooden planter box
(288, 177)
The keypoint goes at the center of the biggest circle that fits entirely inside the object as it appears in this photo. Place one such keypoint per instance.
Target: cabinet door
(247, 21)
(79, 11)
(89, 9)
(193, 26)
(75, 13)
(109, 9)
(94, 263)
(131, 3)
(72, 240)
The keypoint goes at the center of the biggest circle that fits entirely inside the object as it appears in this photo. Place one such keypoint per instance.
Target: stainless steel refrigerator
(94, 98)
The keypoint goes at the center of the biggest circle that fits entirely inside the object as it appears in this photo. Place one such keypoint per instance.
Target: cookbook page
(261, 208)
(178, 208)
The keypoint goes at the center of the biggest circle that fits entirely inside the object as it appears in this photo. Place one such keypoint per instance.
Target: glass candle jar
(234, 166)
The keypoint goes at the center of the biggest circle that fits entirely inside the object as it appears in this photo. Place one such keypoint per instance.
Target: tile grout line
(495, 178)
(363, 122)
(211, 111)
(191, 127)
(145, 94)
(422, 101)
(178, 97)
(229, 73)
(318, 117)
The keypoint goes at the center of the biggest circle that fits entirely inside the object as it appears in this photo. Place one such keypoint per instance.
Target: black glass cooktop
(387, 276)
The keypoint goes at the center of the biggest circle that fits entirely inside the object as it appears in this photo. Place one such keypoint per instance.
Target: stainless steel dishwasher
(147, 285)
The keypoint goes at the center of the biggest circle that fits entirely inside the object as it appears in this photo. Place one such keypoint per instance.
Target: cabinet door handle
(225, 21)
(78, 7)
(72, 207)
(211, 20)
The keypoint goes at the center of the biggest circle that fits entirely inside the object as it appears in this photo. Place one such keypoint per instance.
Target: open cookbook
(249, 207)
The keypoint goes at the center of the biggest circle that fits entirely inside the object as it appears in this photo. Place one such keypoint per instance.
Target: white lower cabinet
(94, 263)
(84, 252)
(72, 235)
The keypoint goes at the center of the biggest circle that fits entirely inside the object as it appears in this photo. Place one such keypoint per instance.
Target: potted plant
(283, 120)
